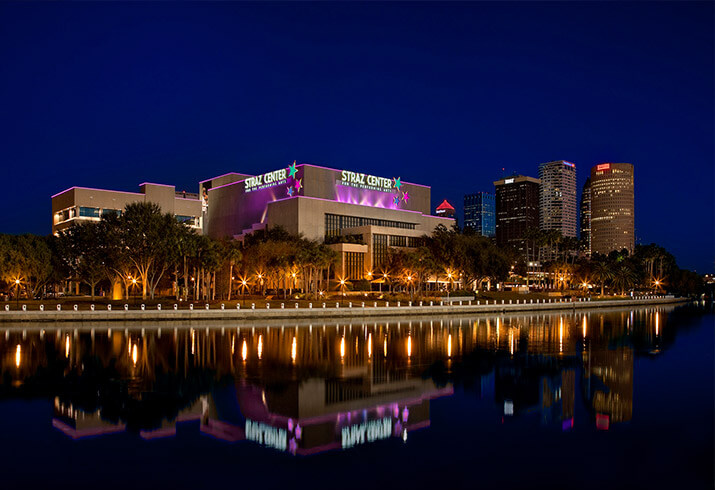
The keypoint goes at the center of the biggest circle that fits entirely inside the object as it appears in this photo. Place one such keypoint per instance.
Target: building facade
(517, 210)
(366, 214)
(557, 197)
(586, 218)
(612, 208)
(480, 213)
(84, 204)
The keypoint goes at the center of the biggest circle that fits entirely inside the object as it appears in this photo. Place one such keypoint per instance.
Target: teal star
(292, 170)
(397, 183)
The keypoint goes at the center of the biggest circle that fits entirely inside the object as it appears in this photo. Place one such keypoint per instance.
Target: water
(620, 398)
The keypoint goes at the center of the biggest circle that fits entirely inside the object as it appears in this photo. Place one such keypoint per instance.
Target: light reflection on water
(310, 388)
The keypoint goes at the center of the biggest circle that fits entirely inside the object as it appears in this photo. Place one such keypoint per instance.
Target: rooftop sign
(603, 166)
(269, 179)
(370, 182)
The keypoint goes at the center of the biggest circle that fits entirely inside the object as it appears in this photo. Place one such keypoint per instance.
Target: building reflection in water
(310, 388)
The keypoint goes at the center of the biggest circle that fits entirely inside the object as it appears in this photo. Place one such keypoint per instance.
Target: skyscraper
(517, 210)
(557, 197)
(586, 217)
(479, 213)
(612, 208)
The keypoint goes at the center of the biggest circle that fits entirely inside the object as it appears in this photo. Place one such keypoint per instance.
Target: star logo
(398, 183)
(396, 200)
(292, 170)
(298, 184)
(406, 196)
(290, 191)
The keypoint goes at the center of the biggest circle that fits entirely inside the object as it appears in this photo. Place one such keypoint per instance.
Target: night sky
(110, 95)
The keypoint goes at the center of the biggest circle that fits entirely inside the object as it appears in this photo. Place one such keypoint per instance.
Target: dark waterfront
(587, 400)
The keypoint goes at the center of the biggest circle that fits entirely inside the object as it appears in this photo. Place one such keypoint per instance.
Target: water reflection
(309, 388)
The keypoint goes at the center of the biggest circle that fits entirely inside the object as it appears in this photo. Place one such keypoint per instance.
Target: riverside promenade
(356, 310)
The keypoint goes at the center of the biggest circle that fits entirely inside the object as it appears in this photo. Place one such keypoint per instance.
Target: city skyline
(96, 108)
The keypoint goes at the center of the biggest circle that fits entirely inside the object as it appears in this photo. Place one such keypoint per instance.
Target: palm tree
(232, 254)
(624, 277)
(603, 273)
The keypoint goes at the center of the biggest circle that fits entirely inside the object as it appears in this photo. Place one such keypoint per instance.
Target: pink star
(406, 196)
(298, 184)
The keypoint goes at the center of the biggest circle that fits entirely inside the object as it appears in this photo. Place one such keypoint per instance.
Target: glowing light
(294, 349)
(657, 322)
(409, 346)
(260, 346)
(18, 352)
(449, 346)
(193, 341)
(384, 347)
(584, 327)
(561, 334)
(67, 346)
(233, 346)
(134, 354)
(369, 345)
(342, 347)
(244, 350)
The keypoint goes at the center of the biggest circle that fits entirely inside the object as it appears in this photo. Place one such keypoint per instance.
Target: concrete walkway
(357, 311)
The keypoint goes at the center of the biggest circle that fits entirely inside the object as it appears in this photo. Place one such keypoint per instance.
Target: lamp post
(134, 283)
(260, 279)
(17, 293)
(244, 284)
(342, 290)
(449, 286)
(384, 279)
(409, 284)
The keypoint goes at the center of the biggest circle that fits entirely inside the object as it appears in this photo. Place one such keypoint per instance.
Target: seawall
(356, 312)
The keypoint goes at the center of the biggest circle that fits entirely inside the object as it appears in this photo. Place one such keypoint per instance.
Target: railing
(454, 302)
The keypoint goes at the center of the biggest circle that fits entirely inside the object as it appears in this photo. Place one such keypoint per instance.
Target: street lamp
(449, 276)
(134, 283)
(342, 287)
(409, 282)
(17, 292)
(260, 279)
(244, 284)
(384, 279)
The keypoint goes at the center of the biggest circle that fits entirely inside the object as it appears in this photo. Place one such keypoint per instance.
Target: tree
(231, 254)
(148, 238)
(83, 249)
(602, 272)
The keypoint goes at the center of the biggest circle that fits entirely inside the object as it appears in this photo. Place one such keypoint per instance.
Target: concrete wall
(118, 317)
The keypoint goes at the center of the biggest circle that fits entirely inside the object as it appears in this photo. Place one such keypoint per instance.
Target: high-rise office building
(444, 210)
(517, 210)
(557, 197)
(479, 213)
(586, 218)
(612, 208)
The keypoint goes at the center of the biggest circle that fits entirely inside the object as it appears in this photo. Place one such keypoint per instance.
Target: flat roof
(299, 165)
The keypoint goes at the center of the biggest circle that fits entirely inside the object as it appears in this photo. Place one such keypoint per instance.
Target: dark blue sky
(115, 94)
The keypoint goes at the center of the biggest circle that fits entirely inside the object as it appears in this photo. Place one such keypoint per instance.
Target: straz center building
(372, 213)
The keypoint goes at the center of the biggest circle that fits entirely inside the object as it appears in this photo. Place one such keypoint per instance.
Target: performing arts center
(360, 215)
